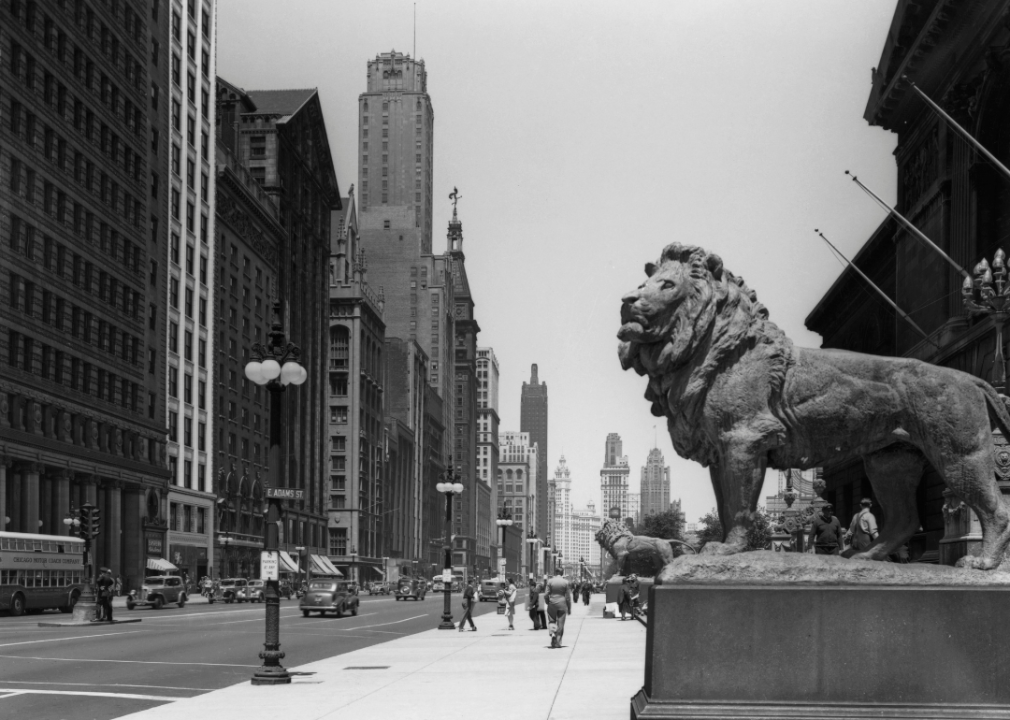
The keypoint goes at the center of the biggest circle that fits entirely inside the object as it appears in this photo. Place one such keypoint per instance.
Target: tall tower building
(564, 537)
(396, 124)
(188, 116)
(655, 485)
(614, 478)
(533, 420)
(487, 440)
(585, 523)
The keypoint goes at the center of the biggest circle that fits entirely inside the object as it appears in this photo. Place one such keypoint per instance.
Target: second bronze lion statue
(739, 398)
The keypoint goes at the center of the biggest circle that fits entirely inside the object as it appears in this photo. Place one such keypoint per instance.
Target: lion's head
(610, 532)
(685, 324)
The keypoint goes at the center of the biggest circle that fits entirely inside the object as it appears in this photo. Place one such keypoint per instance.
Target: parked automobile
(157, 592)
(324, 596)
(411, 588)
(487, 590)
(227, 591)
(254, 591)
(378, 588)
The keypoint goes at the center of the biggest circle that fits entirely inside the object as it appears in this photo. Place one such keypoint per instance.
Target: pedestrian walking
(559, 606)
(863, 528)
(826, 532)
(542, 603)
(624, 599)
(119, 585)
(531, 605)
(105, 588)
(510, 598)
(633, 594)
(587, 590)
(468, 596)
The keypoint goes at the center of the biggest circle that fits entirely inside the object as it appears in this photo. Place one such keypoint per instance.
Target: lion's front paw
(976, 562)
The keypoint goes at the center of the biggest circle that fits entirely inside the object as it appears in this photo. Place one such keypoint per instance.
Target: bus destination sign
(285, 493)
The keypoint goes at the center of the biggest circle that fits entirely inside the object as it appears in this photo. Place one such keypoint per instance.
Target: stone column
(30, 496)
(46, 505)
(3, 492)
(113, 527)
(134, 558)
(61, 501)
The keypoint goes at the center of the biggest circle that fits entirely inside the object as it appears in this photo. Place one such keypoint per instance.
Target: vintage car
(437, 585)
(324, 596)
(228, 590)
(487, 590)
(411, 588)
(254, 591)
(378, 588)
(158, 591)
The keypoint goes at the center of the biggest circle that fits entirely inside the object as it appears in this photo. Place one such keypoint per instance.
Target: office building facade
(654, 488)
(614, 478)
(533, 420)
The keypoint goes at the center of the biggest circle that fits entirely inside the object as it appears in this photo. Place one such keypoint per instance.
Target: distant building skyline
(654, 489)
(614, 477)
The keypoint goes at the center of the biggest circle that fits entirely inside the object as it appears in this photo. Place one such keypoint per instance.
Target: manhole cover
(367, 667)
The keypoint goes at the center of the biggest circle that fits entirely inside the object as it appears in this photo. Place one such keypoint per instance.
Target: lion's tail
(999, 406)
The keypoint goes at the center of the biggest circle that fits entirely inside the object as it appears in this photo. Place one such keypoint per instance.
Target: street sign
(447, 576)
(285, 493)
(269, 565)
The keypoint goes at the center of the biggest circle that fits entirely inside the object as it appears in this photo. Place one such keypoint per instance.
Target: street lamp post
(86, 607)
(504, 521)
(532, 540)
(274, 365)
(449, 488)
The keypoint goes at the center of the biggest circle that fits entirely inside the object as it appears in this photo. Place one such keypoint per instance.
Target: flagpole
(912, 228)
(967, 136)
(880, 292)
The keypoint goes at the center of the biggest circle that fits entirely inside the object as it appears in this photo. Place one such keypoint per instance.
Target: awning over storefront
(161, 565)
(331, 566)
(288, 563)
(322, 566)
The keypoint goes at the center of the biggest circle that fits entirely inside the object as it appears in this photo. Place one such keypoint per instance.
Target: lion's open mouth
(631, 331)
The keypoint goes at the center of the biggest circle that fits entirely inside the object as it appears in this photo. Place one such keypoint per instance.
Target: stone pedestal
(760, 649)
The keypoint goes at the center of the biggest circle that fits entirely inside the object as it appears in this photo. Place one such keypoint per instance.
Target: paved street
(108, 671)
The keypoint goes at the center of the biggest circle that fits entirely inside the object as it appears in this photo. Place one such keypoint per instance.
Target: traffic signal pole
(86, 608)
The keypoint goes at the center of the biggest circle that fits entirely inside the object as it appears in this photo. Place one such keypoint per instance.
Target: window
(176, 69)
(338, 414)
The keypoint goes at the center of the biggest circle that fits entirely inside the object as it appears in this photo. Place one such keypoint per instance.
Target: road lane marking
(395, 622)
(125, 696)
(67, 639)
(135, 662)
(72, 684)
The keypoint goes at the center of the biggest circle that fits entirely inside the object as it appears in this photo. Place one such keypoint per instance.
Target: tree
(668, 525)
(758, 537)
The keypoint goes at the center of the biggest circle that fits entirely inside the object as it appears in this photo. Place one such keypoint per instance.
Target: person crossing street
(468, 600)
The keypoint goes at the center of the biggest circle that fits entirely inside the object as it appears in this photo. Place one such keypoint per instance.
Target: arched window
(340, 346)
(508, 474)
(519, 474)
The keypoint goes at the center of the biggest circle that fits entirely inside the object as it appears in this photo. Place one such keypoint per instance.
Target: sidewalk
(441, 673)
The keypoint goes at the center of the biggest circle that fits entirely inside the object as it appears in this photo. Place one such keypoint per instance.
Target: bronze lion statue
(631, 553)
(738, 398)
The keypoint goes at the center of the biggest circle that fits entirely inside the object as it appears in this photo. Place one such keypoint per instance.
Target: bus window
(60, 549)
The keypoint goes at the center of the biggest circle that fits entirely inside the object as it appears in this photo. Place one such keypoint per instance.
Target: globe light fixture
(449, 486)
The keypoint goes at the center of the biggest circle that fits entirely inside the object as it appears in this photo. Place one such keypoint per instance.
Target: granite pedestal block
(822, 651)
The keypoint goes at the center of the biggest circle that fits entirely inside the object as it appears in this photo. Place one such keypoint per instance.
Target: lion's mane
(718, 324)
(610, 533)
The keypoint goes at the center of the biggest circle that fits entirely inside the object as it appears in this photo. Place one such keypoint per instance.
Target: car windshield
(227, 583)
(256, 583)
(154, 581)
(322, 585)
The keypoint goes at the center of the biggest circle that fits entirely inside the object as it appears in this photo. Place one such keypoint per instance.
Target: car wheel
(158, 603)
(74, 597)
(305, 613)
(17, 605)
(130, 605)
(354, 609)
(182, 601)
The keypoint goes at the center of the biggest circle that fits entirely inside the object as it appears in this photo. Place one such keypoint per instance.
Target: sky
(584, 136)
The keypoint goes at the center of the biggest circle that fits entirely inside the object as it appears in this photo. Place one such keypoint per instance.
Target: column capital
(30, 466)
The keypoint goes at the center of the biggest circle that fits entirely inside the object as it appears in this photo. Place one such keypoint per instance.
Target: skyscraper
(487, 442)
(396, 124)
(614, 477)
(655, 485)
(564, 539)
(533, 420)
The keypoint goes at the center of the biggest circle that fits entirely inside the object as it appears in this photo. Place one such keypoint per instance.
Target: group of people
(548, 603)
(826, 534)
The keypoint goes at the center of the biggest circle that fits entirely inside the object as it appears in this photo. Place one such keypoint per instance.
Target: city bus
(38, 572)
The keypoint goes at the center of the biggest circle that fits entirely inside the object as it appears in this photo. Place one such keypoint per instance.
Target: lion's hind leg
(894, 474)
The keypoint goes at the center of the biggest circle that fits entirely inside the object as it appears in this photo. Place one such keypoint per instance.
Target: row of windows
(233, 447)
(187, 474)
(106, 336)
(35, 545)
(42, 578)
(187, 518)
(51, 364)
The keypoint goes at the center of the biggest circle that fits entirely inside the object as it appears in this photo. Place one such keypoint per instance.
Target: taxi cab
(324, 596)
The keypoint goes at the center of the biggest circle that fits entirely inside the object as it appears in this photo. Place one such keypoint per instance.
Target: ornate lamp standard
(276, 366)
(981, 298)
(532, 540)
(504, 521)
(84, 527)
(449, 488)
